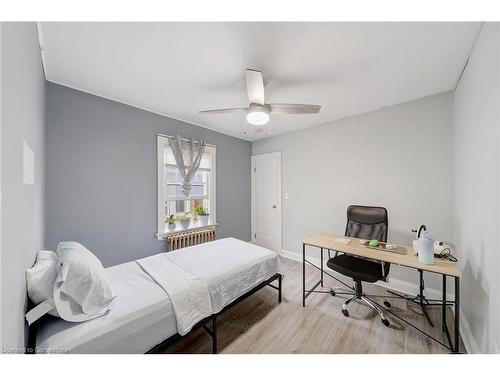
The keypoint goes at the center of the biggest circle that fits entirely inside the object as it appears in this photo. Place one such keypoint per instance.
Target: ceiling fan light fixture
(258, 115)
(259, 112)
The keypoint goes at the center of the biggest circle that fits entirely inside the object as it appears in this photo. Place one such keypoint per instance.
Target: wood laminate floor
(260, 325)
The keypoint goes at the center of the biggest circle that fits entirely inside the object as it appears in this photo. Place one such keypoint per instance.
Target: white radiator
(193, 237)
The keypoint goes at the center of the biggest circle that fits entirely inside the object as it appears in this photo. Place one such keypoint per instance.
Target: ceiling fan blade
(223, 110)
(255, 86)
(293, 109)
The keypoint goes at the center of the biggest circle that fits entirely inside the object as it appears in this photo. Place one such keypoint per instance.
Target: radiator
(193, 237)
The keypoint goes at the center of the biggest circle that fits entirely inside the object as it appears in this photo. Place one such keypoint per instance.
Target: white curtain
(187, 155)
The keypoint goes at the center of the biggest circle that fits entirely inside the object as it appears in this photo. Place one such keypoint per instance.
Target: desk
(326, 241)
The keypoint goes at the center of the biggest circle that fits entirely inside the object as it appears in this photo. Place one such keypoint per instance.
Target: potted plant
(203, 215)
(184, 220)
(170, 220)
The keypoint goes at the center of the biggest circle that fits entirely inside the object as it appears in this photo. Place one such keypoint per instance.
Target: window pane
(175, 202)
(185, 206)
(169, 155)
(173, 175)
(206, 160)
(174, 191)
(196, 190)
(199, 183)
(198, 177)
(180, 206)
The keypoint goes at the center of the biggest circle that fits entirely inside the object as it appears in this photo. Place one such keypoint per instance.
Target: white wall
(23, 119)
(400, 157)
(0, 183)
(477, 121)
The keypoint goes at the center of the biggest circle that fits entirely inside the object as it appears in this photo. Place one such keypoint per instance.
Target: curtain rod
(183, 139)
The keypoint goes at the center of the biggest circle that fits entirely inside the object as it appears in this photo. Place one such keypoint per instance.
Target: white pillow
(81, 290)
(41, 277)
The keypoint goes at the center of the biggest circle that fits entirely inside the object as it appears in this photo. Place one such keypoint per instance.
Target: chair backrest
(367, 222)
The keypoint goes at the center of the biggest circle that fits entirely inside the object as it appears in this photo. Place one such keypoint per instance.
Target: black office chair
(369, 223)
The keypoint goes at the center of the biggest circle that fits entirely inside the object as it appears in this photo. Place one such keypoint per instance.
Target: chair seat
(357, 268)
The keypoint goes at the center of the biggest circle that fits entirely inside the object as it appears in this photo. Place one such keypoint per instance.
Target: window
(171, 199)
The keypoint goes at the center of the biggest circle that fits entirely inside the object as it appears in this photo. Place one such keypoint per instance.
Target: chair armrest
(329, 256)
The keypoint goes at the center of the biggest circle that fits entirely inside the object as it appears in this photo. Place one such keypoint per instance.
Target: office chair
(367, 223)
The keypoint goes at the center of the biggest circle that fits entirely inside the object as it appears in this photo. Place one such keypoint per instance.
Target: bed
(143, 318)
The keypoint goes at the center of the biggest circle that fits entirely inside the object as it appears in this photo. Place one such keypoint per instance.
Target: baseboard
(293, 255)
(470, 342)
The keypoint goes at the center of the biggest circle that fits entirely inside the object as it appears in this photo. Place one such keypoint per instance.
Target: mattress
(143, 316)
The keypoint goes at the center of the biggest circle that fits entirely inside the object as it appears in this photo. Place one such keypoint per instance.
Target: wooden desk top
(326, 241)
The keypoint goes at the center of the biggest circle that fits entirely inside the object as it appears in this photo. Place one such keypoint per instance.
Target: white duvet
(230, 267)
(188, 293)
(203, 279)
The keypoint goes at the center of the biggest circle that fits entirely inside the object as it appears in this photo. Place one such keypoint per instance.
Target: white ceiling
(177, 69)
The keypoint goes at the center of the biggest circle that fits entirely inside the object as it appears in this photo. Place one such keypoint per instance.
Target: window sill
(178, 230)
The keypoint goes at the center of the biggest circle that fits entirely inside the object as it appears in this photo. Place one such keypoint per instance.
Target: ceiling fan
(258, 113)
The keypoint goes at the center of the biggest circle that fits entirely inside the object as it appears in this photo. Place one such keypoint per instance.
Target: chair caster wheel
(386, 322)
(345, 312)
(387, 303)
(332, 292)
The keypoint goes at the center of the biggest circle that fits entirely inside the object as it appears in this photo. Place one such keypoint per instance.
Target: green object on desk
(373, 243)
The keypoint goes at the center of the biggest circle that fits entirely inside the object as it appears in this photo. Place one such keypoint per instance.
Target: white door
(266, 201)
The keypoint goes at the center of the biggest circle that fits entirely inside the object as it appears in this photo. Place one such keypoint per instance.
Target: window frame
(161, 198)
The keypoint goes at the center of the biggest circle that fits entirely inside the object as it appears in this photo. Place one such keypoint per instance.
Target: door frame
(279, 203)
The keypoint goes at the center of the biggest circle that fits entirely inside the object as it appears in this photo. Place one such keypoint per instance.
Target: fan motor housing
(258, 114)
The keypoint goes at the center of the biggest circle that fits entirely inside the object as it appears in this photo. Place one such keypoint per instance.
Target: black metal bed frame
(420, 299)
(212, 331)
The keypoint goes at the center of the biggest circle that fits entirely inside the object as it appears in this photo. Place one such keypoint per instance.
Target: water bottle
(425, 248)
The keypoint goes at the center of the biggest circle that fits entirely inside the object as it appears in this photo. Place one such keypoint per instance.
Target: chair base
(356, 294)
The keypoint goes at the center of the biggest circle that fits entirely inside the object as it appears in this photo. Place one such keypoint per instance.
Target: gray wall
(101, 175)
(23, 104)
(400, 157)
(477, 210)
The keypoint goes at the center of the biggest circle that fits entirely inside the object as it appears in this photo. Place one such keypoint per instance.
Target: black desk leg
(422, 299)
(303, 275)
(280, 284)
(456, 348)
(321, 266)
(443, 308)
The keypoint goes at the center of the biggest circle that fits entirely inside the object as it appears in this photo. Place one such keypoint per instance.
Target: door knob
(274, 206)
